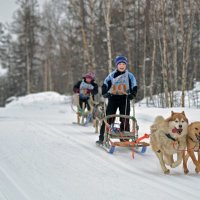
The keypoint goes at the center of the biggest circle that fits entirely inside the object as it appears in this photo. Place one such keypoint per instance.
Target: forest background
(50, 49)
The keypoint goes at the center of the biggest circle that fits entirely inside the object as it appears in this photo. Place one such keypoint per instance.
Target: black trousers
(124, 109)
(87, 105)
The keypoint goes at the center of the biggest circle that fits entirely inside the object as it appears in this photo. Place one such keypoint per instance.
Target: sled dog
(97, 115)
(168, 138)
(82, 113)
(193, 145)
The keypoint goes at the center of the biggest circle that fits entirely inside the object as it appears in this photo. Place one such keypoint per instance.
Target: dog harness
(170, 137)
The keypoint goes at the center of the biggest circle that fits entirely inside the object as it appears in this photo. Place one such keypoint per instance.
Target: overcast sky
(7, 7)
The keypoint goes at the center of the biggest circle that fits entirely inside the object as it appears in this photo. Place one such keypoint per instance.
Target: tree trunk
(45, 76)
(175, 55)
(50, 81)
(144, 65)
(85, 50)
(107, 18)
(28, 79)
(92, 67)
(164, 64)
(152, 69)
(126, 34)
(186, 45)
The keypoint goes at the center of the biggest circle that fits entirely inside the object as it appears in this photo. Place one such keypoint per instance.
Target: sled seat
(122, 135)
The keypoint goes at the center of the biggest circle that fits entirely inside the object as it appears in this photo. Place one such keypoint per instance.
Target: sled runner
(114, 137)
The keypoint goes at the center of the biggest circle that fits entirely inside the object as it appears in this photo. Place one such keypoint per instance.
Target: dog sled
(114, 137)
(83, 115)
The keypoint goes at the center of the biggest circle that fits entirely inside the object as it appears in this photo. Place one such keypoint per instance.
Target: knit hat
(89, 75)
(121, 59)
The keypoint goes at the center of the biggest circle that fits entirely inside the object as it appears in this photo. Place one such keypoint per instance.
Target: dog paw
(167, 171)
(197, 170)
(175, 164)
(186, 171)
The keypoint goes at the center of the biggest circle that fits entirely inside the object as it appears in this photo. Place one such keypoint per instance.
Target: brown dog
(168, 138)
(193, 145)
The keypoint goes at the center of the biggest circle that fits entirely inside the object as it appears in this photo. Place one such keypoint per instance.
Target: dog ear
(185, 117)
(172, 112)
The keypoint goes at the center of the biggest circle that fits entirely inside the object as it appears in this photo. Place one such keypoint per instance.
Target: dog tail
(157, 121)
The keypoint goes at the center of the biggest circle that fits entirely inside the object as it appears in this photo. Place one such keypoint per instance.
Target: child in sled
(119, 87)
(85, 88)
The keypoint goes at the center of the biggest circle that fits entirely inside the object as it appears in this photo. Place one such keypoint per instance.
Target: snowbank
(39, 98)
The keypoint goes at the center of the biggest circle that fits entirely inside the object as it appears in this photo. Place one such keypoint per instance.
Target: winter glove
(107, 95)
(104, 89)
(134, 94)
(89, 91)
(76, 90)
(130, 97)
(134, 91)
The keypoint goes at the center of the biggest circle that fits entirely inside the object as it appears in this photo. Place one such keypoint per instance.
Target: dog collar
(170, 137)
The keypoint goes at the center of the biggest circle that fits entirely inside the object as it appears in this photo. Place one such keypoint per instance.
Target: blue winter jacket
(108, 83)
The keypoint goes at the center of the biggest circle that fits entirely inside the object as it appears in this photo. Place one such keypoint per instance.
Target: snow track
(45, 157)
(10, 188)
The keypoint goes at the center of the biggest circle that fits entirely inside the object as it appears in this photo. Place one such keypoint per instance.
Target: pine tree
(26, 27)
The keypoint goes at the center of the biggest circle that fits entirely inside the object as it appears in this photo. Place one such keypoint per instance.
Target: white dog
(168, 138)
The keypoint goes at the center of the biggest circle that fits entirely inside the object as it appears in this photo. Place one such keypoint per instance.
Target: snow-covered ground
(43, 156)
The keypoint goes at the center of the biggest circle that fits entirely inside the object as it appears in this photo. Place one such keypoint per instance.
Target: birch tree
(107, 5)
(186, 33)
(164, 53)
(125, 6)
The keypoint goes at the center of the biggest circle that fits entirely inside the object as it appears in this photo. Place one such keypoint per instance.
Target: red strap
(143, 137)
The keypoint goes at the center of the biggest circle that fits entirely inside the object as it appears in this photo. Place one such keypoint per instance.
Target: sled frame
(83, 116)
(127, 138)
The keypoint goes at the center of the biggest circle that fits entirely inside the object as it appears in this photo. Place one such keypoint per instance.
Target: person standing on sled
(85, 88)
(119, 87)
